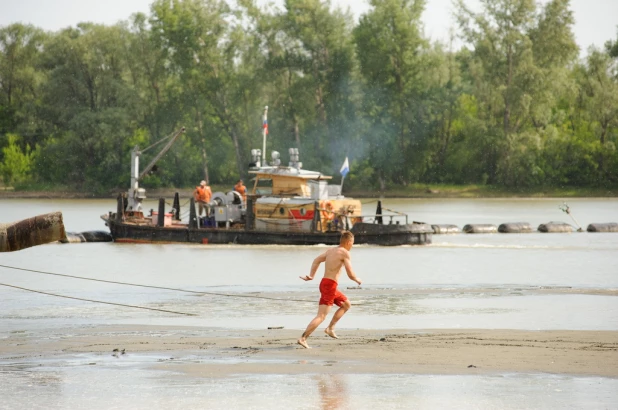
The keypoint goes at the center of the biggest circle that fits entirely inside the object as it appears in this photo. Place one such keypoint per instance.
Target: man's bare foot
(331, 333)
(303, 343)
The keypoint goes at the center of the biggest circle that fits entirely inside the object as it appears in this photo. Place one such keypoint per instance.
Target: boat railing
(379, 218)
(396, 214)
(395, 217)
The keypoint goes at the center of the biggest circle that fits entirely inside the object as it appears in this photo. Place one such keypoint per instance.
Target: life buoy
(327, 213)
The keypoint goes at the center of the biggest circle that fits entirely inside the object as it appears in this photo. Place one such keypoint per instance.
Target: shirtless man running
(335, 258)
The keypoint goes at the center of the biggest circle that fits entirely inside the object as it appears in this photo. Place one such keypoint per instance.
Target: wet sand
(218, 353)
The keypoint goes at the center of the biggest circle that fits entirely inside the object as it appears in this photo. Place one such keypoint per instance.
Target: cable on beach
(156, 287)
(100, 280)
(98, 301)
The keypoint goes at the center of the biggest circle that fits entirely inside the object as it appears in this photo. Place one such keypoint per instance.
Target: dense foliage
(514, 107)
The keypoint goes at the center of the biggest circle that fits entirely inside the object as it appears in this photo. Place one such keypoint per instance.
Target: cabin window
(281, 211)
(264, 187)
(303, 211)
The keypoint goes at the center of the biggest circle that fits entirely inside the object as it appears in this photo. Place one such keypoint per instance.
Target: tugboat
(286, 206)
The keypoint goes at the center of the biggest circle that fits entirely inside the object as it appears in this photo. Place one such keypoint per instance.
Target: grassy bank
(410, 191)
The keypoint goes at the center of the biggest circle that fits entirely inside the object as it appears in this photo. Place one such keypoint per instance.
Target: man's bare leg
(330, 330)
(322, 312)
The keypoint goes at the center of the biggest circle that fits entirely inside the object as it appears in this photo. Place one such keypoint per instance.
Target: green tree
(312, 81)
(20, 80)
(513, 107)
(390, 49)
(612, 48)
(150, 77)
(286, 88)
(519, 60)
(443, 106)
(203, 51)
(88, 107)
(16, 165)
(599, 99)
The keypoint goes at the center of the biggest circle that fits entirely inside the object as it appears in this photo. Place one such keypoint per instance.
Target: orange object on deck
(327, 213)
(241, 189)
(202, 194)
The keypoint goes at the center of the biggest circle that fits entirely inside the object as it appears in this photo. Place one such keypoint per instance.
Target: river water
(482, 281)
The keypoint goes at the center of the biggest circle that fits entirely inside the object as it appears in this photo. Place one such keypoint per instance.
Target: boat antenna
(264, 134)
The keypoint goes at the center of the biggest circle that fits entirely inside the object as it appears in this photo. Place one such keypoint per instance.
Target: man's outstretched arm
(314, 267)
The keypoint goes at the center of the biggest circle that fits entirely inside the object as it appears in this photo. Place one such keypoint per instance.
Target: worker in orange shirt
(241, 189)
(203, 195)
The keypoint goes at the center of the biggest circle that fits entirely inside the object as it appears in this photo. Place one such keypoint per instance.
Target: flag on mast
(345, 168)
(265, 125)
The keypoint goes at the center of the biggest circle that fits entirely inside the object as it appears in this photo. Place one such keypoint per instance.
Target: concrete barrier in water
(480, 228)
(603, 227)
(555, 227)
(443, 229)
(515, 227)
(30, 232)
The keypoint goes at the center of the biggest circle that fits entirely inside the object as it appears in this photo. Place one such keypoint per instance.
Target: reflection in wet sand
(333, 391)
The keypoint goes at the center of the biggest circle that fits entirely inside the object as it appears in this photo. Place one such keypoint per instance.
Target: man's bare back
(335, 259)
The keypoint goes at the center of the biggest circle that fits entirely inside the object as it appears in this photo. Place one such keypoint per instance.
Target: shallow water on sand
(500, 281)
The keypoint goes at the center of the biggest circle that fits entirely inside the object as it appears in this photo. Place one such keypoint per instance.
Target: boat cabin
(295, 195)
(286, 181)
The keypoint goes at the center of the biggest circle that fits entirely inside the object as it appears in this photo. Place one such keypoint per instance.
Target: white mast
(264, 133)
(133, 203)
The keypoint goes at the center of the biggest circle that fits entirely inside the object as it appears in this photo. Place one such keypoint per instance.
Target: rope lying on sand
(156, 287)
(99, 280)
(98, 301)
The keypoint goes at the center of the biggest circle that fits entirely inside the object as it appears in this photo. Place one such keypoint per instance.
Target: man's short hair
(346, 236)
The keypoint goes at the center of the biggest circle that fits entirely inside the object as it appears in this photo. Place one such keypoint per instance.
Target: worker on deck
(241, 189)
(203, 195)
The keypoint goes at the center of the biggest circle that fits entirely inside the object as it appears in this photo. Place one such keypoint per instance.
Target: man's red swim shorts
(330, 294)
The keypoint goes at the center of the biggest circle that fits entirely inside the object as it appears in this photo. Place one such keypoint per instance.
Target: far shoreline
(411, 192)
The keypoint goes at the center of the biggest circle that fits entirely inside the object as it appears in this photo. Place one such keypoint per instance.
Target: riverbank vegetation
(511, 110)
(435, 191)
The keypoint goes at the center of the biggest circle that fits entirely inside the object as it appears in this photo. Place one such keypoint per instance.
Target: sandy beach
(217, 353)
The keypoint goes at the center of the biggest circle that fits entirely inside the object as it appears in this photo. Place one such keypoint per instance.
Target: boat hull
(372, 234)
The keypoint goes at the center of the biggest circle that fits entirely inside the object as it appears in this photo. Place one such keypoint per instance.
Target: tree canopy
(513, 106)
